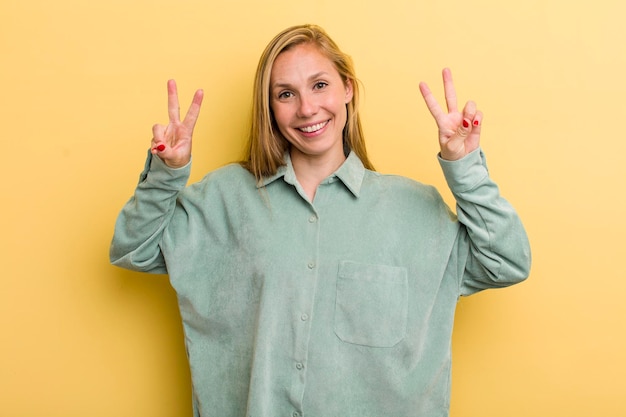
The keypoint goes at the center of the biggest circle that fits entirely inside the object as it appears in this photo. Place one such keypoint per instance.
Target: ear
(349, 91)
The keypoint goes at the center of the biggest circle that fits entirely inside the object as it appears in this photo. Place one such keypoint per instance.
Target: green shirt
(338, 307)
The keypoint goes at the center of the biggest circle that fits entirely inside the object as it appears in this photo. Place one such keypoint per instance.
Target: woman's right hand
(172, 143)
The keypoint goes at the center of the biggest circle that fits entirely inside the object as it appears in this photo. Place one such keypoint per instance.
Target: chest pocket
(371, 304)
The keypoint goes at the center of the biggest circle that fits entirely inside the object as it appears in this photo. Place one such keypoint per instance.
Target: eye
(320, 85)
(285, 95)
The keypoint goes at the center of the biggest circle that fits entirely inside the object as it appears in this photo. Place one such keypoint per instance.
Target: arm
(143, 219)
(493, 243)
(493, 246)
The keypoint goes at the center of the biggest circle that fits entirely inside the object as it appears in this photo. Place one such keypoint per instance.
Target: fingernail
(465, 123)
(160, 148)
(475, 122)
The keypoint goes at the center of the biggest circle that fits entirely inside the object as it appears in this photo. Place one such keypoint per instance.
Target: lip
(318, 127)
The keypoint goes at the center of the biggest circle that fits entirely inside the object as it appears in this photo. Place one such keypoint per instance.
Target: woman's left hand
(459, 132)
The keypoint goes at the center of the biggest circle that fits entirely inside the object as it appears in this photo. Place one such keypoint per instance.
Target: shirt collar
(351, 174)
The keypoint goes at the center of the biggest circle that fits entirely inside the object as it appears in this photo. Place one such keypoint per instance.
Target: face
(308, 99)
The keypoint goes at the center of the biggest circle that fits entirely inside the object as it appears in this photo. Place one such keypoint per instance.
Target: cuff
(157, 172)
(466, 173)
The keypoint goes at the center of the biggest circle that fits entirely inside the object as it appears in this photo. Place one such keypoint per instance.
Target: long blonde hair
(266, 145)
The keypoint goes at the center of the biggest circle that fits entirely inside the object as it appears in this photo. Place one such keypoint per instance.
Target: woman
(309, 284)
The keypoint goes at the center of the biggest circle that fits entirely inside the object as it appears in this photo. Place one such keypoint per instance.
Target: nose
(307, 106)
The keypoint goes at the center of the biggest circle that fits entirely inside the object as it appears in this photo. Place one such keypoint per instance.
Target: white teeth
(314, 128)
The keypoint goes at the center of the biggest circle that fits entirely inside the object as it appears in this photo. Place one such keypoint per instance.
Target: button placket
(305, 302)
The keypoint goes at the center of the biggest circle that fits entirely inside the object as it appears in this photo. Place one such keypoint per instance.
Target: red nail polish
(465, 123)
(160, 148)
(475, 122)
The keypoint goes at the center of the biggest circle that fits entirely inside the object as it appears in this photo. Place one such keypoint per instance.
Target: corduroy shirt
(342, 306)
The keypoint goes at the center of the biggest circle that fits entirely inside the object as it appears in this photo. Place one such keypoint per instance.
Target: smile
(313, 128)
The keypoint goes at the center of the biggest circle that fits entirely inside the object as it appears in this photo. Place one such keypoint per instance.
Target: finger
(478, 120)
(159, 148)
(469, 113)
(431, 101)
(449, 90)
(194, 110)
(477, 123)
(158, 139)
(472, 142)
(158, 133)
(173, 108)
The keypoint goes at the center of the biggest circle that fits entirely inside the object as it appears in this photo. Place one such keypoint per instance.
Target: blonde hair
(266, 145)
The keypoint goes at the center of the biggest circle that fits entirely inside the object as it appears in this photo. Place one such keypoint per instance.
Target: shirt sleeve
(142, 221)
(493, 242)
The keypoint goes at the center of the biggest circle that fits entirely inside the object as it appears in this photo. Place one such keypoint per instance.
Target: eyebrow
(312, 77)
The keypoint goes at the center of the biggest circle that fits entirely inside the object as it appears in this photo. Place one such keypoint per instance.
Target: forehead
(300, 62)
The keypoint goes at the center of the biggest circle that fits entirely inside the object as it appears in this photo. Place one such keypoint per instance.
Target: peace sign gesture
(172, 143)
(459, 132)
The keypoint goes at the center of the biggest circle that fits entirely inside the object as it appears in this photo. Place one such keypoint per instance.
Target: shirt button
(311, 265)
(299, 366)
(304, 317)
(295, 414)
(312, 219)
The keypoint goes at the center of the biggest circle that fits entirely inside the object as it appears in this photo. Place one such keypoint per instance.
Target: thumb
(464, 129)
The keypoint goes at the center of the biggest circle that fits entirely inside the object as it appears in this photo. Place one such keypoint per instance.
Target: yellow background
(83, 82)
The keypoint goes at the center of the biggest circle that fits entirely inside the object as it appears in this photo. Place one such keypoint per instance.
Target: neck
(311, 171)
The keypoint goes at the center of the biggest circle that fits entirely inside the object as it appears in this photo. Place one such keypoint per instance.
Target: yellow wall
(83, 82)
